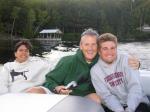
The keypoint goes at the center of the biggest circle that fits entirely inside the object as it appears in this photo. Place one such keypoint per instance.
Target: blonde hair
(106, 37)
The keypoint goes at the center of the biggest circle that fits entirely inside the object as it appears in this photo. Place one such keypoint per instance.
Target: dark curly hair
(25, 43)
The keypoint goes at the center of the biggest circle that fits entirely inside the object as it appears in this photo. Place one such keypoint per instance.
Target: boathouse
(144, 28)
(49, 38)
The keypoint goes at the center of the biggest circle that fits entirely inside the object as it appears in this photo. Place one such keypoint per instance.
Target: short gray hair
(91, 32)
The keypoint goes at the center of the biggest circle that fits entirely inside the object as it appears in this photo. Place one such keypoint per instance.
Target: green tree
(15, 15)
(29, 33)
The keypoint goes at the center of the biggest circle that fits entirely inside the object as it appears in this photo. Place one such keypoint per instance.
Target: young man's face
(108, 51)
(22, 54)
(88, 45)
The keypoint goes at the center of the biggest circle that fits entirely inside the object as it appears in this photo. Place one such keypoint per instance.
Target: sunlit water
(138, 49)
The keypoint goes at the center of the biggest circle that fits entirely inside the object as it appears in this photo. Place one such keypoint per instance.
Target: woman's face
(22, 54)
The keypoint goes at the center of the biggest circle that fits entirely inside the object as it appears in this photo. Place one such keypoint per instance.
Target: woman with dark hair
(24, 72)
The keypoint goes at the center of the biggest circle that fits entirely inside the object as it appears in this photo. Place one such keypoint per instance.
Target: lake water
(139, 49)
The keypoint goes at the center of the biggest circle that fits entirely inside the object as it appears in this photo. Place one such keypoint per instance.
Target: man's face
(22, 54)
(88, 45)
(108, 51)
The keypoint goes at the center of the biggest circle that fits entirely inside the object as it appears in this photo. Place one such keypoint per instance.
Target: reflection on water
(139, 49)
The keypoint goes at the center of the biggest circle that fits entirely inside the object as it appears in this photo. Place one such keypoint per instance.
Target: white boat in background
(66, 49)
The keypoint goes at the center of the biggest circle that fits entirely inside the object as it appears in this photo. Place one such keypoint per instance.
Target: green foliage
(26, 18)
(140, 36)
(37, 49)
(71, 37)
(28, 32)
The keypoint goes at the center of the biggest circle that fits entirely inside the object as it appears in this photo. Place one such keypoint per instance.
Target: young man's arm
(102, 90)
(134, 89)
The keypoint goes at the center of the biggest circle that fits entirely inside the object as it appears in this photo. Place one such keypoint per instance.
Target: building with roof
(144, 28)
(49, 38)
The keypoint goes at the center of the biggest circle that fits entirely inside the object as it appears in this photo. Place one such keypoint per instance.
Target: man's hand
(62, 90)
(94, 97)
(134, 62)
(38, 90)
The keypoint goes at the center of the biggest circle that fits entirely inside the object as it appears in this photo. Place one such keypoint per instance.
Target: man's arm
(57, 75)
(134, 88)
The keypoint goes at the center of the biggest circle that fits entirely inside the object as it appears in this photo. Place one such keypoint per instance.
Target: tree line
(25, 18)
